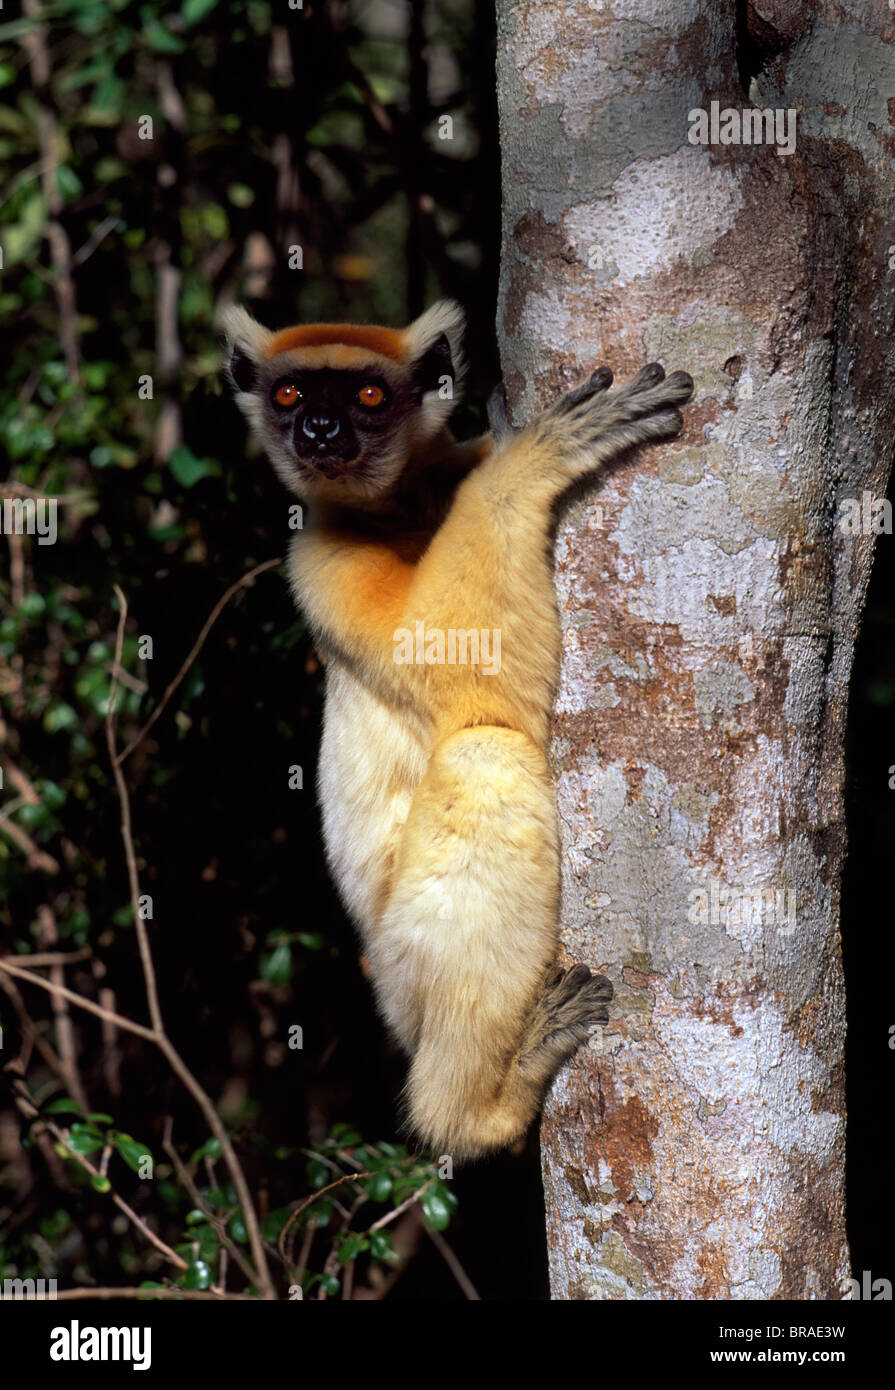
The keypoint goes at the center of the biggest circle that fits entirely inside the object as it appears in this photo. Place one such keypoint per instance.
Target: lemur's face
(340, 409)
(339, 426)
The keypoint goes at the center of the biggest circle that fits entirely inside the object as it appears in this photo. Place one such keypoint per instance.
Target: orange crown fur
(388, 342)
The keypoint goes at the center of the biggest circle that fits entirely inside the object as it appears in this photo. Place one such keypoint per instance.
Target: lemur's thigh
(470, 925)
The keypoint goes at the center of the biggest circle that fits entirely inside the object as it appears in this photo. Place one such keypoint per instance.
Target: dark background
(271, 128)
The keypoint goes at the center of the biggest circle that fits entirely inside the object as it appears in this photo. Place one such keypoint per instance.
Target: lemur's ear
(247, 344)
(434, 345)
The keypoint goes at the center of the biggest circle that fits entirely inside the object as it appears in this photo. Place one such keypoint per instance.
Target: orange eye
(371, 395)
(287, 395)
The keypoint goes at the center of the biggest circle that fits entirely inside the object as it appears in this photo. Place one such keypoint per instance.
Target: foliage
(270, 127)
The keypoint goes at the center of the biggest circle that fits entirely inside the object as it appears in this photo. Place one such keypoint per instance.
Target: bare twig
(454, 1265)
(170, 1255)
(192, 1295)
(196, 1197)
(22, 783)
(159, 1036)
(315, 1196)
(155, 1012)
(111, 1049)
(45, 958)
(30, 1034)
(195, 650)
(8, 966)
(68, 1053)
(408, 1202)
(36, 857)
(99, 234)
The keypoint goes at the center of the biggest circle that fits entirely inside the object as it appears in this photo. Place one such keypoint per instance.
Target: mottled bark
(710, 603)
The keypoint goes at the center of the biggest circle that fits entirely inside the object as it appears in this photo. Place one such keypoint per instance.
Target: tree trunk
(710, 593)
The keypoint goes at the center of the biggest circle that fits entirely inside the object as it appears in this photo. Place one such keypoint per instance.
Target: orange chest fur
(355, 587)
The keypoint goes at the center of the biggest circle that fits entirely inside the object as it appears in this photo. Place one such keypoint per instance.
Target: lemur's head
(339, 408)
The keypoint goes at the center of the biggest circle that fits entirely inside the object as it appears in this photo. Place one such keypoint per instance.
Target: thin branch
(65, 1035)
(179, 1067)
(192, 1295)
(195, 650)
(315, 1196)
(36, 857)
(196, 1197)
(170, 1255)
(408, 1202)
(175, 1061)
(99, 234)
(45, 958)
(454, 1265)
(21, 781)
(31, 1036)
(119, 1020)
(155, 1012)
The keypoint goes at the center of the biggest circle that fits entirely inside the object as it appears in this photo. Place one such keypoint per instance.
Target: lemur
(437, 805)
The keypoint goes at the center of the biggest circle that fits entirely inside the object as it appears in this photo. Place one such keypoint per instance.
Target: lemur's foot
(572, 1004)
(644, 408)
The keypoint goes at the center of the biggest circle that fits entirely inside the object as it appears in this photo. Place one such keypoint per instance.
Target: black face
(336, 419)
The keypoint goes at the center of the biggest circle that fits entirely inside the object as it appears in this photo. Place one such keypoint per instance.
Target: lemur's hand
(592, 415)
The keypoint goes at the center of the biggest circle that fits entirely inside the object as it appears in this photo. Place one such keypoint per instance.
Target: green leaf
(63, 1106)
(354, 1244)
(379, 1187)
(51, 794)
(101, 1183)
(159, 37)
(318, 1173)
(381, 1247)
(84, 1139)
(58, 717)
(210, 1149)
(344, 1134)
(32, 815)
(277, 968)
(188, 469)
(273, 1223)
(191, 11)
(329, 1283)
(238, 1230)
(97, 1117)
(67, 181)
(436, 1209)
(133, 1152)
(197, 1276)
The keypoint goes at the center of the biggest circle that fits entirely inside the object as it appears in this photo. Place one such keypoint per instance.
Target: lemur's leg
(462, 957)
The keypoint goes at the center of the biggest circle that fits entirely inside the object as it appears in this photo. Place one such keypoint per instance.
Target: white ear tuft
(444, 317)
(244, 332)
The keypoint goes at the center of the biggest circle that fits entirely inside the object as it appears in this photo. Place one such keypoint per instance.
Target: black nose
(320, 426)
